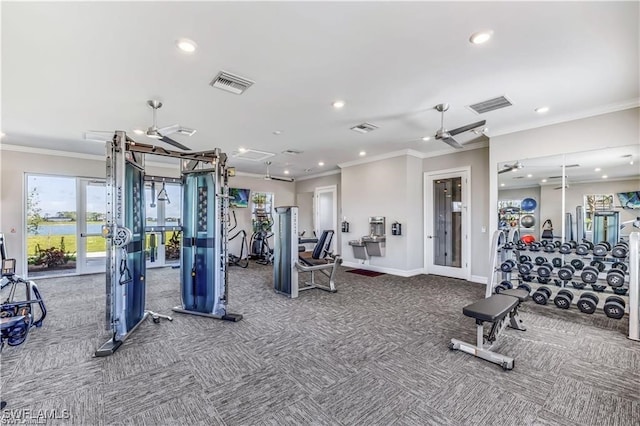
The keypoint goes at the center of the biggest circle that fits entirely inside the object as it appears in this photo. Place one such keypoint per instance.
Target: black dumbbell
(565, 248)
(508, 246)
(527, 278)
(588, 303)
(615, 277)
(521, 245)
(620, 291)
(589, 275)
(524, 286)
(535, 246)
(600, 266)
(543, 280)
(544, 270)
(556, 262)
(584, 247)
(524, 258)
(578, 285)
(565, 273)
(549, 248)
(563, 299)
(620, 265)
(540, 260)
(620, 250)
(507, 265)
(599, 288)
(525, 267)
(577, 264)
(601, 249)
(541, 295)
(614, 307)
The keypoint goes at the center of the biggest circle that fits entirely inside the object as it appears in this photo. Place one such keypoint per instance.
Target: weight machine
(204, 237)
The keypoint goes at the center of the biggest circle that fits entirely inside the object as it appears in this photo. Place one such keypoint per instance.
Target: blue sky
(58, 194)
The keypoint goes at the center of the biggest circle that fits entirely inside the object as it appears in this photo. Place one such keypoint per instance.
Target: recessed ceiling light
(502, 184)
(241, 149)
(480, 37)
(604, 176)
(630, 162)
(321, 164)
(277, 132)
(597, 169)
(426, 138)
(362, 153)
(138, 131)
(186, 45)
(286, 172)
(544, 181)
(542, 110)
(529, 175)
(338, 104)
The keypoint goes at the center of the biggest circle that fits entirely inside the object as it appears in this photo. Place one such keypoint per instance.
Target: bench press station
(500, 310)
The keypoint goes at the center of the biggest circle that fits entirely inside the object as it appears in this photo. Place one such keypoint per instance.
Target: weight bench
(321, 260)
(500, 310)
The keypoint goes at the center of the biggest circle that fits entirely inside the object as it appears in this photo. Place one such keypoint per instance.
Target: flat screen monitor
(629, 200)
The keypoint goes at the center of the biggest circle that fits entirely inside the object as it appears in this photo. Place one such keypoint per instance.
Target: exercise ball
(527, 239)
(528, 204)
(527, 221)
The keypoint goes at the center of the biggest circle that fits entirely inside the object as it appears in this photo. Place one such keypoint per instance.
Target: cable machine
(204, 242)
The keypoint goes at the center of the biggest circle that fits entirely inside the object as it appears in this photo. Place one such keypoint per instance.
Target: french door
(91, 255)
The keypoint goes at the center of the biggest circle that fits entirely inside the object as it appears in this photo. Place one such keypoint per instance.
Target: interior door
(326, 211)
(92, 203)
(447, 223)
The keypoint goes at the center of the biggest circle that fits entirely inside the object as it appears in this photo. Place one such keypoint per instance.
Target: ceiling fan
(162, 134)
(269, 177)
(511, 167)
(447, 135)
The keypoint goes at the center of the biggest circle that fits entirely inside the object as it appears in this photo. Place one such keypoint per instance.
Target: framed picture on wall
(239, 198)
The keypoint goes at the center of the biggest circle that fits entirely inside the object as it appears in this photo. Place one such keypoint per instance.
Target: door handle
(430, 236)
(82, 234)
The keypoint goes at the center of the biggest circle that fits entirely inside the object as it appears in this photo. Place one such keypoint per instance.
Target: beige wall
(305, 189)
(478, 160)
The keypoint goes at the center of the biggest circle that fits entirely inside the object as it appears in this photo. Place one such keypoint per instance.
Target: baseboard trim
(478, 279)
(390, 271)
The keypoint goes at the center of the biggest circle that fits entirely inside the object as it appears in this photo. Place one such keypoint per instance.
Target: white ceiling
(72, 67)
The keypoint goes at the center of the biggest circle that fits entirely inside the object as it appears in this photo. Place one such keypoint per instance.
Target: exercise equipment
(507, 265)
(287, 263)
(544, 270)
(565, 273)
(620, 250)
(589, 275)
(527, 221)
(528, 204)
(614, 307)
(541, 296)
(242, 260)
(563, 299)
(527, 239)
(577, 264)
(620, 291)
(615, 277)
(634, 286)
(599, 265)
(606, 226)
(578, 285)
(261, 252)
(588, 302)
(500, 311)
(598, 287)
(601, 249)
(556, 262)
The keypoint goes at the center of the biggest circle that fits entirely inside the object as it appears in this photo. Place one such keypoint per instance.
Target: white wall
(478, 159)
(307, 186)
(615, 129)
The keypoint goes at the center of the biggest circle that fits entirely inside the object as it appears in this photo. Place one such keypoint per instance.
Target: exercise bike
(242, 260)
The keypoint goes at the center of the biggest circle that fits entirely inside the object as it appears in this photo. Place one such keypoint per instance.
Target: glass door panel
(92, 245)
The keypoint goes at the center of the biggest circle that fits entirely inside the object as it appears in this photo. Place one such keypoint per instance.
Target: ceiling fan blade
(174, 143)
(508, 169)
(452, 142)
(169, 130)
(281, 179)
(467, 128)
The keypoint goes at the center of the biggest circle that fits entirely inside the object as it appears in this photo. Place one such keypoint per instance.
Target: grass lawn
(94, 244)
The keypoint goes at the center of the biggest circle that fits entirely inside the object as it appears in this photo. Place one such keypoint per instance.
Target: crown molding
(317, 175)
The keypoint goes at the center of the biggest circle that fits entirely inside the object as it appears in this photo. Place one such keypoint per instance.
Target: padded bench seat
(520, 293)
(492, 308)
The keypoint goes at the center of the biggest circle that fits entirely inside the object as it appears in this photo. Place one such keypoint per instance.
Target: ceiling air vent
(292, 152)
(231, 83)
(490, 105)
(252, 155)
(364, 128)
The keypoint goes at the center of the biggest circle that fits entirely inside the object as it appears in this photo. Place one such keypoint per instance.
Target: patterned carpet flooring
(375, 353)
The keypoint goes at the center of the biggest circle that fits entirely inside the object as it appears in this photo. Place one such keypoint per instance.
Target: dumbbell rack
(501, 253)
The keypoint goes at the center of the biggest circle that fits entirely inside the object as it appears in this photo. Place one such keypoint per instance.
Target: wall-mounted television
(629, 200)
(238, 197)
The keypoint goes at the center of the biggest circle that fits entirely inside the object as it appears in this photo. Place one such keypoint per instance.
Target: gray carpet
(373, 353)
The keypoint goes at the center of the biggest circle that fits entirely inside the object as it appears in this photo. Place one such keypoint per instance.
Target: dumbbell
(584, 247)
(589, 275)
(543, 280)
(620, 291)
(600, 266)
(544, 270)
(588, 303)
(527, 278)
(615, 278)
(539, 260)
(549, 248)
(525, 267)
(507, 265)
(577, 264)
(556, 262)
(520, 245)
(508, 246)
(504, 285)
(541, 295)
(620, 250)
(535, 246)
(578, 285)
(565, 273)
(565, 248)
(598, 287)
(620, 265)
(614, 307)
(601, 249)
(563, 299)
(524, 258)
(524, 286)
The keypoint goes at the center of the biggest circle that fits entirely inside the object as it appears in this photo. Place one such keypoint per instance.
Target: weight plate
(614, 310)
(589, 275)
(616, 299)
(587, 305)
(565, 248)
(567, 293)
(566, 273)
(591, 296)
(546, 291)
(562, 301)
(600, 250)
(615, 278)
(582, 250)
(540, 298)
(619, 252)
(544, 271)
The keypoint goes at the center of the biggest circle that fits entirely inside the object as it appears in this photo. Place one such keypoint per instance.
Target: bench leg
(515, 321)
(480, 351)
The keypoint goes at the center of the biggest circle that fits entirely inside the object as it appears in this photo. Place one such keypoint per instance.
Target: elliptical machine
(243, 259)
(261, 252)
